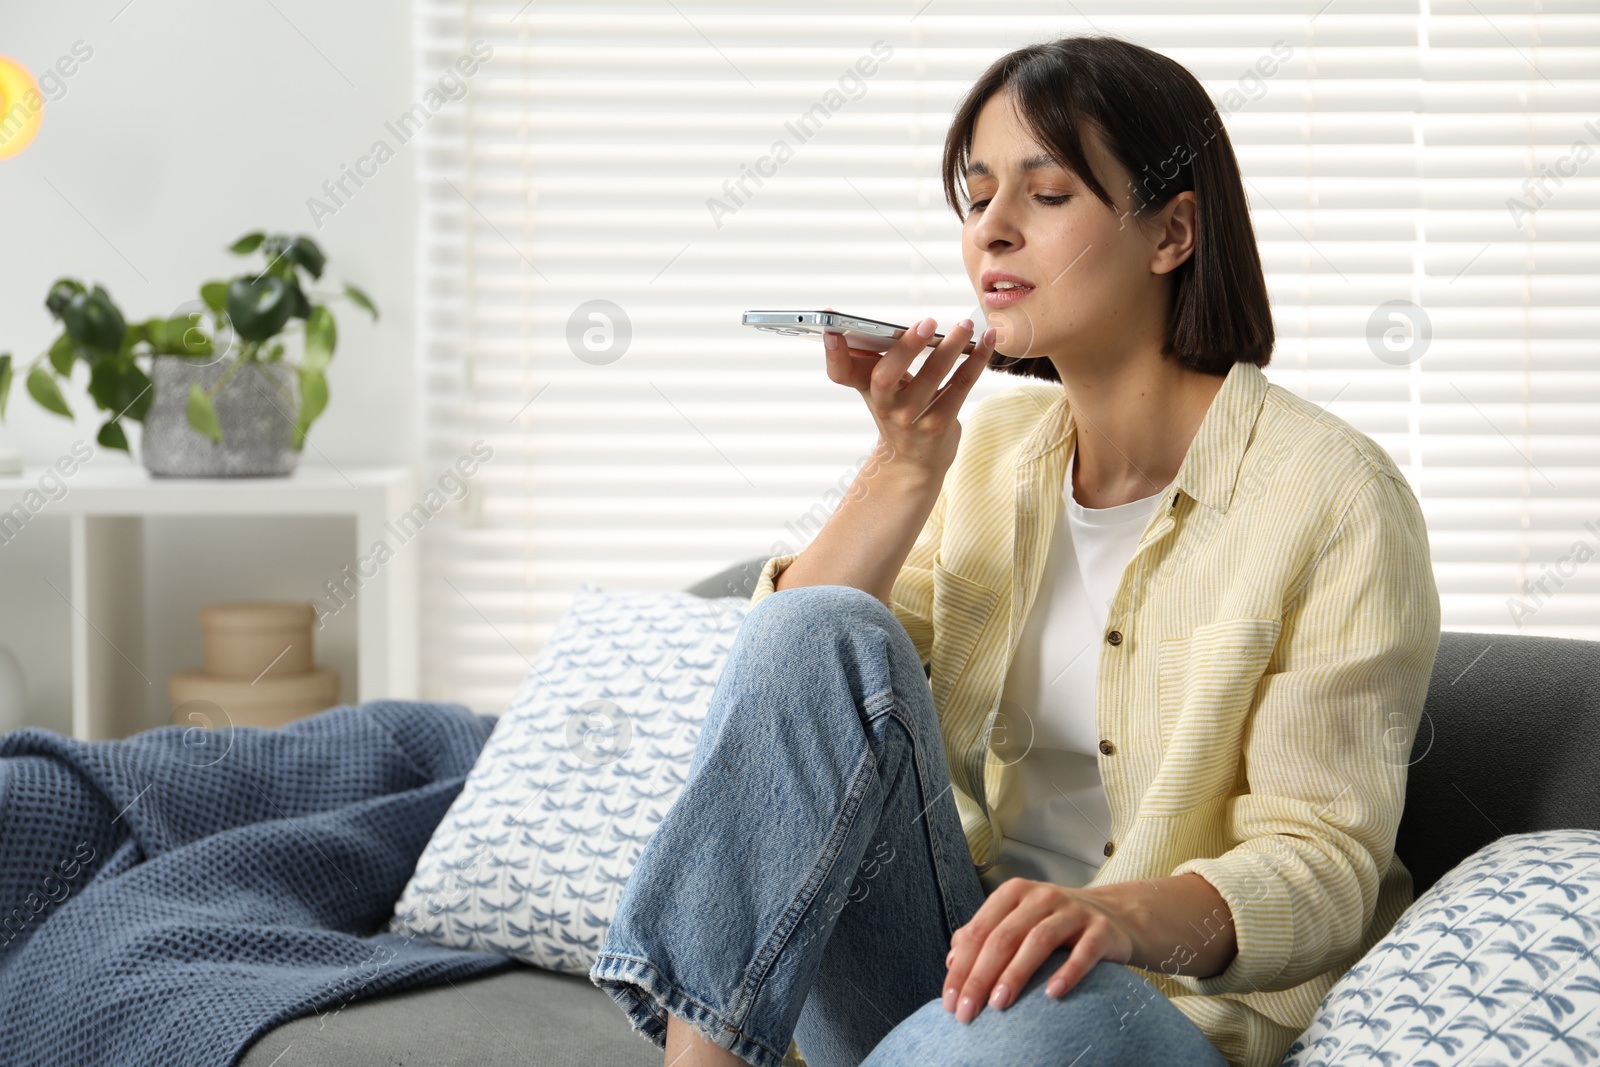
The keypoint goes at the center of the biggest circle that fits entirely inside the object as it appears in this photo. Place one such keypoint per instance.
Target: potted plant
(220, 397)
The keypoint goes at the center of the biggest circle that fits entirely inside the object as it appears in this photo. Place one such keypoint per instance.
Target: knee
(843, 634)
(930, 1035)
(1099, 1009)
(816, 607)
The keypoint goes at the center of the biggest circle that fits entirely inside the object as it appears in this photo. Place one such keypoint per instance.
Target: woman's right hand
(916, 418)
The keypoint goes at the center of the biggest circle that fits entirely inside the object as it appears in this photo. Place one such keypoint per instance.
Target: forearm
(869, 535)
(1178, 925)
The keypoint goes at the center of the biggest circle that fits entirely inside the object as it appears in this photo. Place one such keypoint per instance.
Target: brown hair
(1158, 123)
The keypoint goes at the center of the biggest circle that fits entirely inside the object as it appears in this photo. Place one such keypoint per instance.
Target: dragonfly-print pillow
(1497, 964)
(531, 857)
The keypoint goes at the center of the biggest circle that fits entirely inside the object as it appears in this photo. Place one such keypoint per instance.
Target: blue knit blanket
(169, 897)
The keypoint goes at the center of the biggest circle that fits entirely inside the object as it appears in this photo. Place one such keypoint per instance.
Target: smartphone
(871, 335)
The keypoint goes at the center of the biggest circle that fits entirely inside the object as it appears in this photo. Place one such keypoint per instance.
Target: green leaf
(185, 336)
(120, 387)
(105, 384)
(155, 331)
(321, 338)
(62, 353)
(178, 336)
(313, 401)
(304, 251)
(61, 294)
(132, 334)
(215, 294)
(94, 320)
(247, 244)
(302, 306)
(259, 307)
(5, 381)
(42, 387)
(111, 436)
(281, 261)
(202, 416)
(361, 300)
(275, 353)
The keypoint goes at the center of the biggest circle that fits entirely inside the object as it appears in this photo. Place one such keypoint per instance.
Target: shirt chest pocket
(962, 611)
(1207, 683)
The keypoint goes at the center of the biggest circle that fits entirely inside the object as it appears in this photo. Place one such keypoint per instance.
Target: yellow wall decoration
(21, 107)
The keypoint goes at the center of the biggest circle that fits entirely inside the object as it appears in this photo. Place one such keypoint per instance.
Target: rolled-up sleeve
(911, 597)
(769, 576)
(1327, 747)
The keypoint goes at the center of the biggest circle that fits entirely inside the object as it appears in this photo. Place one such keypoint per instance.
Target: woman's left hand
(1019, 925)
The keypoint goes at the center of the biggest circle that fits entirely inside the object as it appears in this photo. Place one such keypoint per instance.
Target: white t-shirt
(1052, 810)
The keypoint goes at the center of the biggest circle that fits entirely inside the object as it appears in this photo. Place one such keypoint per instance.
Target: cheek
(1105, 260)
(971, 255)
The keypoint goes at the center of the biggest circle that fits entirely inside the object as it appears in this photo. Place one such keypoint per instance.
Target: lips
(989, 278)
(1002, 288)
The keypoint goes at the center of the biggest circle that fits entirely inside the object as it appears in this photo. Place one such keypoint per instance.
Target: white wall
(190, 124)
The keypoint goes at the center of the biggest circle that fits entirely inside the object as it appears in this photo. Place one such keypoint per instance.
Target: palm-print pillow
(535, 850)
(1497, 964)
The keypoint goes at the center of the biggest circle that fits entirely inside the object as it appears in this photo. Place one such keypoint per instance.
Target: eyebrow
(1040, 161)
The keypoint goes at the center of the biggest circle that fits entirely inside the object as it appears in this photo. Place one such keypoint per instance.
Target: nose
(996, 230)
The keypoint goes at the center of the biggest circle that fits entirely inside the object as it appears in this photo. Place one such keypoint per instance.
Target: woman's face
(1089, 279)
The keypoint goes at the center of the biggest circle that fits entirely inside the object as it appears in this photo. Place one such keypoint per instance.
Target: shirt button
(1107, 747)
(1108, 848)
(1114, 637)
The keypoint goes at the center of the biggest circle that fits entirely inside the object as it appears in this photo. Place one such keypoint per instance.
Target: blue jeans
(808, 877)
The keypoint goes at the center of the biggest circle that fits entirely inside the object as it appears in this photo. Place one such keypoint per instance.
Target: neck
(1135, 421)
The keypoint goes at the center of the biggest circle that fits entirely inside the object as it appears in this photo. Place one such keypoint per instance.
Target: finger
(1055, 930)
(852, 366)
(844, 366)
(1089, 950)
(891, 369)
(968, 943)
(954, 392)
(926, 384)
(844, 363)
(1000, 948)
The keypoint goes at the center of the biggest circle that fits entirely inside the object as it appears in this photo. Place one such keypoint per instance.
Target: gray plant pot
(256, 413)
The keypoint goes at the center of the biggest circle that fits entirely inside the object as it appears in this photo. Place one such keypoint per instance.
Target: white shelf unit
(106, 508)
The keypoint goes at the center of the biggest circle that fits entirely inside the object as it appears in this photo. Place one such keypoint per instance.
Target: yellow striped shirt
(1264, 669)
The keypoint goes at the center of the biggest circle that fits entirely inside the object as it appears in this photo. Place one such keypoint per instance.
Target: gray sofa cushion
(518, 1017)
(1509, 743)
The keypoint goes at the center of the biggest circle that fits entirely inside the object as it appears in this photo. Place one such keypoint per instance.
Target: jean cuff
(646, 997)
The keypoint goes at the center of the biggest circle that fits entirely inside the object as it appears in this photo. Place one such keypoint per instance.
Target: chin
(1014, 333)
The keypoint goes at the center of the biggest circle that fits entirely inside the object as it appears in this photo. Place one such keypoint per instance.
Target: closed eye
(1050, 201)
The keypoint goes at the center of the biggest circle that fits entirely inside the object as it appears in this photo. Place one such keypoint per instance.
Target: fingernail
(967, 1010)
(831, 340)
(1001, 996)
(988, 336)
(950, 999)
(965, 324)
(1056, 987)
(925, 328)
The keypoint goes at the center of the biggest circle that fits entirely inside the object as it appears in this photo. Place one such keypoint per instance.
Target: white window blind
(1436, 153)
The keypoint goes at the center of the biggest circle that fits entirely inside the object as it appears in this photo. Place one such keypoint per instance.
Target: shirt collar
(1210, 468)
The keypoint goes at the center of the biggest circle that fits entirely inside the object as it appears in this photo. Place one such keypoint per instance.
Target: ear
(1175, 234)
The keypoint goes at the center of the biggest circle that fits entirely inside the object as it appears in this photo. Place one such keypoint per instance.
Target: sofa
(1509, 743)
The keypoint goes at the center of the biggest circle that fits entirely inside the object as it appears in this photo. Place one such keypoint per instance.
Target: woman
(1083, 742)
